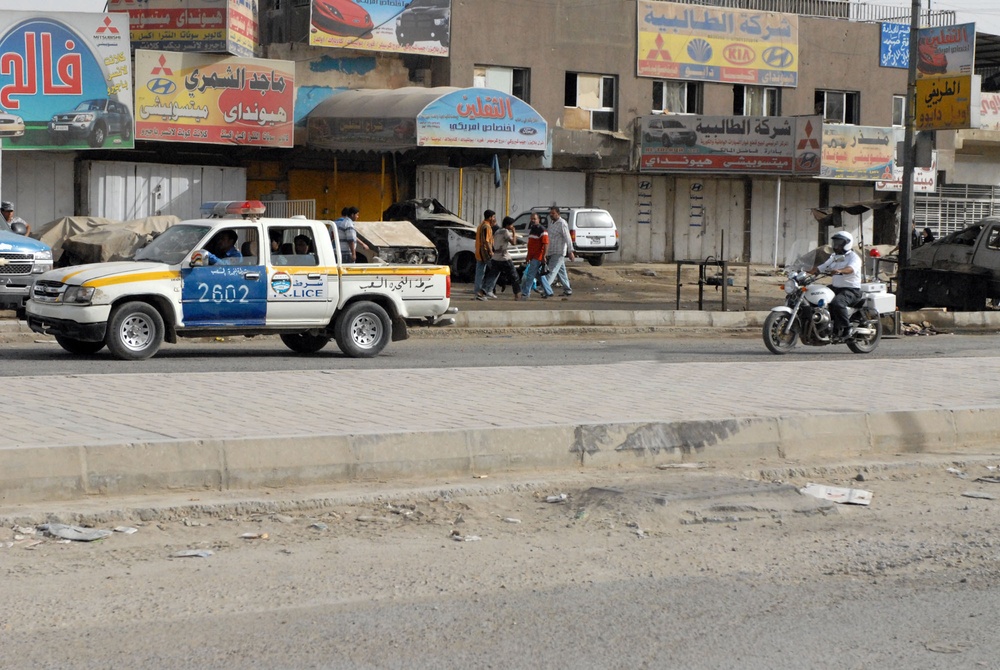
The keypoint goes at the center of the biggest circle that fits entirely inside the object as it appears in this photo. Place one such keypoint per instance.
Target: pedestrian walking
(560, 249)
(347, 235)
(538, 247)
(502, 264)
(484, 251)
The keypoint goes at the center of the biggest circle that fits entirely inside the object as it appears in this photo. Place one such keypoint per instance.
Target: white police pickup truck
(245, 276)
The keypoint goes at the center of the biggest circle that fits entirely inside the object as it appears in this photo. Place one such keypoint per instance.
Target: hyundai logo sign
(161, 86)
(777, 57)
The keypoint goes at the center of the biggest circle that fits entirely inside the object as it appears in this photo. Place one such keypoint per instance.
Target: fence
(284, 209)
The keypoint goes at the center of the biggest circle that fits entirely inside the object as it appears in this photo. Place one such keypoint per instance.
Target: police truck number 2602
(222, 293)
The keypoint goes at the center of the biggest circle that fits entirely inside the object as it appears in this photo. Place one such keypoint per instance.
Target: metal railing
(861, 12)
(954, 207)
(283, 209)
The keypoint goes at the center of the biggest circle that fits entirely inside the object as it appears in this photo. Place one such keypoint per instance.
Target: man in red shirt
(538, 247)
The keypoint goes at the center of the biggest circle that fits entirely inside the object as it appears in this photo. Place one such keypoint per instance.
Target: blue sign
(895, 46)
(224, 295)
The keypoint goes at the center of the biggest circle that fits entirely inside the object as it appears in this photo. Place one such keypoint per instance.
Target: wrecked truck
(960, 271)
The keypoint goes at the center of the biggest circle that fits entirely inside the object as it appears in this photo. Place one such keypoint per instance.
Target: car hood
(14, 243)
(94, 273)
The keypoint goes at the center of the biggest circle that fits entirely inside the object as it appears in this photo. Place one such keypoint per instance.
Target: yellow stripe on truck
(124, 279)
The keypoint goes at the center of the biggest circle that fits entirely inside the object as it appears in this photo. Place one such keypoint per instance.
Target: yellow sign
(944, 103)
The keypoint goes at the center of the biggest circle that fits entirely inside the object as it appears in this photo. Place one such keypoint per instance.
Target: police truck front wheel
(135, 331)
(362, 330)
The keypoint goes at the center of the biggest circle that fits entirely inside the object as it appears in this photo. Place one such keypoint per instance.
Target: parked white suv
(594, 232)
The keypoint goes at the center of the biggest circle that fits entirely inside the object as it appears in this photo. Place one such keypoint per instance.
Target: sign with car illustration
(192, 25)
(947, 91)
(399, 26)
(863, 153)
(679, 41)
(65, 81)
(184, 97)
(721, 144)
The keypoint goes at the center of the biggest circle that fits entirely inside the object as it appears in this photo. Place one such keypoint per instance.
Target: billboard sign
(894, 50)
(946, 103)
(740, 144)
(924, 179)
(733, 46)
(863, 153)
(204, 99)
(223, 26)
(481, 117)
(989, 111)
(65, 81)
(397, 26)
(946, 51)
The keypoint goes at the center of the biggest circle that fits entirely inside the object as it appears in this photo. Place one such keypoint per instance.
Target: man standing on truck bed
(348, 235)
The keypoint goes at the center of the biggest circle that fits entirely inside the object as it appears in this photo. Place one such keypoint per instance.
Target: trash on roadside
(74, 533)
(838, 494)
(987, 480)
(126, 530)
(189, 522)
(192, 553)
(24, 530)
(510, 519)
(557, 499)
(978, 494)
(682, 466)
(458, 537)
(956, 472)
(367, 518)
(480, 476)
(254, 536)
(319, 525)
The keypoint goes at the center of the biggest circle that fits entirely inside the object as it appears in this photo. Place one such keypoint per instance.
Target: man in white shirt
(845, 266)
(560, 247)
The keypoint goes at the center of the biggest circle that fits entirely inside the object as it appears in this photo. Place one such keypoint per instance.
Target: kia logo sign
(777, 57)
(739, 54)
(527, 130)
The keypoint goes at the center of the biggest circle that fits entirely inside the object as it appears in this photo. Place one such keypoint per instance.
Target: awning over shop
(406, 118)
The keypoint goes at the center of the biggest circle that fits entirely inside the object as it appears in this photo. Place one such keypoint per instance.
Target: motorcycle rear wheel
(776, 341)
(868, 343)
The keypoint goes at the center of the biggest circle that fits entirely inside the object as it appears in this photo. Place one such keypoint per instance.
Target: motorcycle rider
(845, 266)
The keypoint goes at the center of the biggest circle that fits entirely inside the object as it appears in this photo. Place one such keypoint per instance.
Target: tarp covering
(406, 118)
(86, 239)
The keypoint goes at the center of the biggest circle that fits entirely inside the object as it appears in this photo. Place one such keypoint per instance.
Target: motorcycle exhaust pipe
(864, 331)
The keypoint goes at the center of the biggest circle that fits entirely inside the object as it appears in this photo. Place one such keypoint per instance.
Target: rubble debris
(682, 466)
(510, 519)
(838, 494)
(956, 472)
(319, 525)
(126, 530)
(922, 328)
(192, 553)
(458, 537)
(978, 494)
(74, 533)
(556, 499)
(988, 480)
(254, 536)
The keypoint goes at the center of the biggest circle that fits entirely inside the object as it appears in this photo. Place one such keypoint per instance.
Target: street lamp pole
(909, 149)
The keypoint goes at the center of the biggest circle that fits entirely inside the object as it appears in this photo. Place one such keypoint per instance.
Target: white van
(594, 232)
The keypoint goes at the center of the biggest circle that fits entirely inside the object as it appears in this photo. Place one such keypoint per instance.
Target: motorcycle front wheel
(865, 344)
(775, 338)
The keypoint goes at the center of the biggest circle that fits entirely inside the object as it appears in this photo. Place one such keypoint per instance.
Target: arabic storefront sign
(65, 81)
(724, 45)
(894, 50)
(946, 103)
(398, 26)
(989, 111)
(223, 26)
(861, 153)
(924, 179)
(214, 99)
(757, 144)
(946, 51)
(481, 117)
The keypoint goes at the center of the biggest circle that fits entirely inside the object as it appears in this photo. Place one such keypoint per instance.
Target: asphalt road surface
(462, 350)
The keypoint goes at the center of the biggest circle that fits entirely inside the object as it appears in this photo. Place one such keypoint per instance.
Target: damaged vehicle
(961, 271)
(395, 242)
(454, 237)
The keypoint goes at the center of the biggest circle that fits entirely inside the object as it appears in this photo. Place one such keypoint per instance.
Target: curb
(48, 474)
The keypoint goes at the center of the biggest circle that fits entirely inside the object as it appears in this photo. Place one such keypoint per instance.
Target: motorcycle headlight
(78, 295)
(790, 286)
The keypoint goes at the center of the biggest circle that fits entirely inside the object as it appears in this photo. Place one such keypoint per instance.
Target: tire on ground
(135, 331)
(304, 343)
(363, 329)
(78, 347)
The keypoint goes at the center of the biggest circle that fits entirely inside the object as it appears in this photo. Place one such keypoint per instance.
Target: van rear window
(594, 220)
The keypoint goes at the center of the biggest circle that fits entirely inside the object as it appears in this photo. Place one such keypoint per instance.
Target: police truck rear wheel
(135, 331)
(363, 329)
(79, 347)
(304, 343)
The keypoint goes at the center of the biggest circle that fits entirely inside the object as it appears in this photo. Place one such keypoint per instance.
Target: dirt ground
(460, 537)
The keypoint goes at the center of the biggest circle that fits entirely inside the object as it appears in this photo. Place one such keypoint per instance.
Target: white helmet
(842, 242)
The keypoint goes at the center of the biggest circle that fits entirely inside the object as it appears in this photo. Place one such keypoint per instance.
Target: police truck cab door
(302, 281)
(225, 291)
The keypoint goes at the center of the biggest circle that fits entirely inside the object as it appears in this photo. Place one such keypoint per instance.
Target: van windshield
(594, 220)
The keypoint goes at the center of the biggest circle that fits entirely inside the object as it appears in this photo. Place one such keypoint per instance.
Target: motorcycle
(806, 316)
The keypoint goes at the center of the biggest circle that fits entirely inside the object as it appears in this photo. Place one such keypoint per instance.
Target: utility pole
(909, 149)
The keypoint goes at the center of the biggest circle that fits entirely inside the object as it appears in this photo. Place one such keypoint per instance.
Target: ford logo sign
(528, 130)
(161, 86)
(777, 57)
